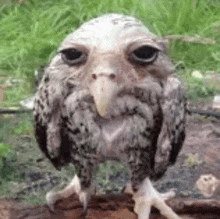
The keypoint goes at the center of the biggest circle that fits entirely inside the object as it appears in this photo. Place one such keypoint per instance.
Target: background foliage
(31, 30)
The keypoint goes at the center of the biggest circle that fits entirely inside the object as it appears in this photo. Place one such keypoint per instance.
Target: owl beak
(103, 90)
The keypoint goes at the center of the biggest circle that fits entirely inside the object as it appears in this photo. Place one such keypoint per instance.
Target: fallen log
(113, 206)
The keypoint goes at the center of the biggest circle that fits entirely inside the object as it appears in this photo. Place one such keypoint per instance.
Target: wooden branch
(189, 110)
(191, 39)
(204, 112)
(15, 111)
(108, 207)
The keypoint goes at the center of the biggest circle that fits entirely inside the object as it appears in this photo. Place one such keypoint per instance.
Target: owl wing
(172, 135)
(49, 130)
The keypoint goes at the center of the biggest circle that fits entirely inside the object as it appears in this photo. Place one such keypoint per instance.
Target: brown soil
(203, 138)
(201, 151)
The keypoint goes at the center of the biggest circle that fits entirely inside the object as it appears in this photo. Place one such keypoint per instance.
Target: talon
(142, 207)
(147, 196)
(168, 195)
(127, 189)
(73, 188)
(51, 199)
(84, 198)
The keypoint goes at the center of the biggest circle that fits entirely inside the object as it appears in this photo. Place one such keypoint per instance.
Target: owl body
(109, 93)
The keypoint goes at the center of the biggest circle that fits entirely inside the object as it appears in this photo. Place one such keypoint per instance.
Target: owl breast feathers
(109, 93)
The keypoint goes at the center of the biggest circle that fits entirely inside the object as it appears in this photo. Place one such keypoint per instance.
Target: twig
(189, 110)
(192, 39)
(203, 112)
(14, 111)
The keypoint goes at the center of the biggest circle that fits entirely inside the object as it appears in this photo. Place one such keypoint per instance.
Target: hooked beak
(103, 90)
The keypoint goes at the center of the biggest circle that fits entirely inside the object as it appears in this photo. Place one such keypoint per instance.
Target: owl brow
(77, 46)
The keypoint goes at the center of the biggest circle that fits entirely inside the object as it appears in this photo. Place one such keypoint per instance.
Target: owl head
(109, 53)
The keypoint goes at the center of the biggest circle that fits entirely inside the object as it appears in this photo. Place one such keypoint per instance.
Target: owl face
(109, 53)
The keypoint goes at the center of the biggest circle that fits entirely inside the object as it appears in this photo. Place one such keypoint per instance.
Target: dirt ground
(200, 156)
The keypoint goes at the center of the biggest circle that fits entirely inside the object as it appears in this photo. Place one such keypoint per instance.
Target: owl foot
(148, 196)
(168, 195)
(73, 188)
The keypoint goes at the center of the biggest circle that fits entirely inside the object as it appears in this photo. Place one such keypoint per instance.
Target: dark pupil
(144, 52)
(72, 54)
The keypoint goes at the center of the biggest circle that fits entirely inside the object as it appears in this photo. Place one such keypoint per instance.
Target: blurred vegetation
(31, 30)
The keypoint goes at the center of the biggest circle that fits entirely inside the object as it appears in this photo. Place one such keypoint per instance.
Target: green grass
(4, 149)
(30, 32)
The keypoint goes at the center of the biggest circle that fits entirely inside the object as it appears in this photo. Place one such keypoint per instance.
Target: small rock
(197, 74)
(207, 184)
(28, 103)
(216, 102)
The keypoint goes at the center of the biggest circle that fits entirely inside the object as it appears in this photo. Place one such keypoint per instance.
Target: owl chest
(114, 135)
(106, 140)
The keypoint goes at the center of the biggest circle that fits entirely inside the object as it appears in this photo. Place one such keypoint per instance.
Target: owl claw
(147, 196)
(168, 195)
(73, 188)
(128, 189)
(51, 199)
(84, 198)
(143, 206)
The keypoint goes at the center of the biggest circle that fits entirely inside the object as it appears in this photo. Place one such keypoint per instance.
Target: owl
(109, 94)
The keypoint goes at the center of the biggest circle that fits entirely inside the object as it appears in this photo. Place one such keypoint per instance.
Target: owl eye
(144, 55)
(73, 56)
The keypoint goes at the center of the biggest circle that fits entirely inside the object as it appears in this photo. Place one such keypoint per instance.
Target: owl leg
(80, 185)
(73, 188)
(147, 196)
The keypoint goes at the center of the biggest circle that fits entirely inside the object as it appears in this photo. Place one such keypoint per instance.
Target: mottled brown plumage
(109, 93)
